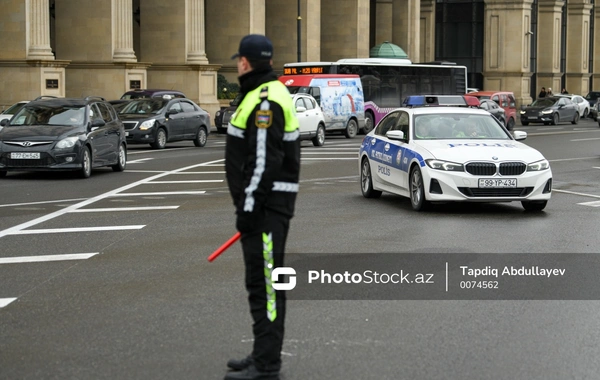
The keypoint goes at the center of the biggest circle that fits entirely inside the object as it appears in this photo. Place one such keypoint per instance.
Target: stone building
(105, 47)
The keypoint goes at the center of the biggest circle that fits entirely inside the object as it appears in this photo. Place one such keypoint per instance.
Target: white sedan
(441, 154)
(10, 111)
(582, 104)
(310, 119)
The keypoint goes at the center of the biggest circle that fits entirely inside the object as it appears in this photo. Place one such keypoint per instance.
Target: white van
(339, 95)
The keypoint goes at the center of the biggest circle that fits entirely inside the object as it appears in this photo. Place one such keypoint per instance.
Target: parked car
(592, 97)
(151, 93)
(310, 119)
(10, 111)
(223, 116)
(156, 121)
(550, 110)
(493, 108)
(432, 153)
(128, 96)
(582, 104)
(504, 99)
(63, 134)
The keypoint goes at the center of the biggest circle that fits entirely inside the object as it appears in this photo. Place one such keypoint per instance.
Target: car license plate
(491, 183)
(126, 133)
(25, 156)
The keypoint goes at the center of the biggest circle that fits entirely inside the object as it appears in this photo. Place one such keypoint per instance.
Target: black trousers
(263, 250)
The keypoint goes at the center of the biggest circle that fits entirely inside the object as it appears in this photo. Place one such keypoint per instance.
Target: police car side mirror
(519, 135)
(395, 135)
(4, 122)
(300, 109)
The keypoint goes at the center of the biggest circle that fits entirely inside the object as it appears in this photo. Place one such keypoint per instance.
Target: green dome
(387, 50)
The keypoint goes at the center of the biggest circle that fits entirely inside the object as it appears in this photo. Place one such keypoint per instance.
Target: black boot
(251, 373)
(240, 364)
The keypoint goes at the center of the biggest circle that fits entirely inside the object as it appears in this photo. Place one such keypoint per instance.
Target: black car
(550, 110)
(156, 121)
(224, 115)
(493, 108)
(128, 96)
(63, 134)
(592, 97)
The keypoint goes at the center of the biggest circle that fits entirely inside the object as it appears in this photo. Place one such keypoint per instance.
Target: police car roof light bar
(435, 101)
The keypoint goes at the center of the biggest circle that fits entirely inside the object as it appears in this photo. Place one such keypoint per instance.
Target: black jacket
(271, 186)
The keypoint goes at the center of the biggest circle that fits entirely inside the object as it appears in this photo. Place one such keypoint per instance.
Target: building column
(427, 33)
(122, 31)
(383, 27)
(549, 43)
(38, 26)
(506, 57)
(347, 26)
(578, 47)
(596, 37)
(195, 32)
(406, 31)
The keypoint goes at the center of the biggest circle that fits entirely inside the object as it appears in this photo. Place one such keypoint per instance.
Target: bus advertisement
(387, 82)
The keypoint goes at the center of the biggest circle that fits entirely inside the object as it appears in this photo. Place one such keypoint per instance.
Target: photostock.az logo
(283, 285)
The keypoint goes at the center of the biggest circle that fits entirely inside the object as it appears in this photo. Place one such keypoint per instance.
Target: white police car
(431, 153)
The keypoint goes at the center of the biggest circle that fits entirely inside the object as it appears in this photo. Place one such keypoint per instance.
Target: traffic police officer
(262, 162)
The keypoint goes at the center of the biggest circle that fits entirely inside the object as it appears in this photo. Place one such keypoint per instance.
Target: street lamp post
(299, 34)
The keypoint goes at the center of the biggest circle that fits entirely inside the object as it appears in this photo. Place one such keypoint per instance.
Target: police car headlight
(547, 111)
(538, 166)
(217, 114)
(445, 165)
(522, 112)
(69, 142)
(147, 125)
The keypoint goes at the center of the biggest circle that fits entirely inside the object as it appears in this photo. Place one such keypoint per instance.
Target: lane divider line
(52, 215)
(77, 229)
(44, 258)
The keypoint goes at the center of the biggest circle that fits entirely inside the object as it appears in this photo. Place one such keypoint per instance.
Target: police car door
(379, 155)
(398, 153)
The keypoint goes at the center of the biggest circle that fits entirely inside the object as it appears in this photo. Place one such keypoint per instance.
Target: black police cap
(255, 46)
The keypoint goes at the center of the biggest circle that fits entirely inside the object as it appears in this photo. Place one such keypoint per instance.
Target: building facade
(77, 48)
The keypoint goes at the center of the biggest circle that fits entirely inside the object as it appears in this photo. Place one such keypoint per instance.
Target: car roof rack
(414, 101)
(45, 97)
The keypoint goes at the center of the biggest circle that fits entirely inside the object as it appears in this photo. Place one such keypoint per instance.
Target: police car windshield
(457, 126)
(145, 106)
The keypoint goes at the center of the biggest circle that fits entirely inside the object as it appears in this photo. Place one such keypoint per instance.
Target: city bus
(388, 81)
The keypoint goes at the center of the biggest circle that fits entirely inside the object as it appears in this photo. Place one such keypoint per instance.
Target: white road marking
(317, 153)
(162, 171)
(78, 229)
(141, 160)
(22, 226)
(129, 152)
(44, 258)
(192, 181)
(572, 159)
(112, 209)
(591, 138)
(575, 193)
(40, 203)
(5, 301)
(592, 204)
(327, 158)
(159, 193)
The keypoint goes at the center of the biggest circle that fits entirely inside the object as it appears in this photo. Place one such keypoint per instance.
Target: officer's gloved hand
(249, 221)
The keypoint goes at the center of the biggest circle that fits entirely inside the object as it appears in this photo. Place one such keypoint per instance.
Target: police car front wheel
(366, 181)
(417, 190)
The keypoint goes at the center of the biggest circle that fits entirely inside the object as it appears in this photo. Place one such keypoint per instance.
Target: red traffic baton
(224, 247)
